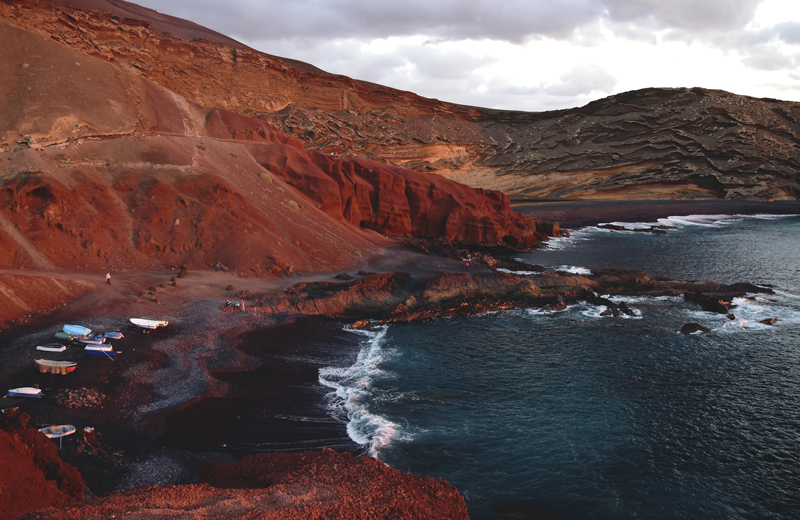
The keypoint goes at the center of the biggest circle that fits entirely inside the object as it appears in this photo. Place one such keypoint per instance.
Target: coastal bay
(163, 412)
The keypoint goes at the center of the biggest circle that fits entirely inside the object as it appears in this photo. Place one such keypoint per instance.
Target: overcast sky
(524, 54)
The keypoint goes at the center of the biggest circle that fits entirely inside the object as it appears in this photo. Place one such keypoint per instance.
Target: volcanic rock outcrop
(102, 167)
(684, 143)
(395, 297)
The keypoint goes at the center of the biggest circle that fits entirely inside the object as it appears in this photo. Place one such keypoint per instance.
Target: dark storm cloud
(511, 20)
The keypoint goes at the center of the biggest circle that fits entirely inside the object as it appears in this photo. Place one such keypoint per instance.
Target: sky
(530, 55)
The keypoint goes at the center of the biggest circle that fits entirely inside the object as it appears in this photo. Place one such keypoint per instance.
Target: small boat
(58, 431)
(147, 323)
(52, 347)
(77, 330)
(64, 336)
(48, 366)
(100, 351)
(25, 391)
(92, 340)
(113, 335)
(99, 348)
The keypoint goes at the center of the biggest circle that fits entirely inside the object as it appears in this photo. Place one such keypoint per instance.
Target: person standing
(108, 278)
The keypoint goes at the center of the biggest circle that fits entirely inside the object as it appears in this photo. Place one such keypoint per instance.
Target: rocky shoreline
(170, 400)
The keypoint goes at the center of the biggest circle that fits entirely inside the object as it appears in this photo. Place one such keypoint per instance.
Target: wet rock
(691, 328)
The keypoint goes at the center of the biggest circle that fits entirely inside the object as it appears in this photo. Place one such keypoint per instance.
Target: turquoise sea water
(574, 415)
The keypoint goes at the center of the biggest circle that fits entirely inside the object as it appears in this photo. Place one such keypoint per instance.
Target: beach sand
(216, 385)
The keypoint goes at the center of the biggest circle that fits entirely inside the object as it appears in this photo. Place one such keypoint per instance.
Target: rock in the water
(691, 328)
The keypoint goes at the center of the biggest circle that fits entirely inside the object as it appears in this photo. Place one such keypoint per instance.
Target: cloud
(769, 59)
(582, 81)
(695, 17)
(789, 32)
(515, 21)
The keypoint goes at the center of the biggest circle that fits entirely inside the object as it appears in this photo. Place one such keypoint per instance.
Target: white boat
(147, 323)
(25, 391)
(92, 340)
(58, 431)
(113, 335)
(48, 366)
(52, 347)
(77, 330)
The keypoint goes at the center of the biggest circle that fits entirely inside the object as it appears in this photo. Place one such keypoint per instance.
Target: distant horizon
(529, 56)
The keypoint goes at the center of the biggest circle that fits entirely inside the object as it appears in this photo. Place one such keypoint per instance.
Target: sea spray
(352, 389)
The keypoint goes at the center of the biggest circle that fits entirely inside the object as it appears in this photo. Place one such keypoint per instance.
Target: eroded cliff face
(649, 144)
(104, 168)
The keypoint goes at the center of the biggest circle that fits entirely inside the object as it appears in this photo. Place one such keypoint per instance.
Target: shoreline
(578, 214)
(176, 394)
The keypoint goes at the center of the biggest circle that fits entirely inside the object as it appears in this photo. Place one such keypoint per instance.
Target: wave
(562, 243)
(682, 221)
(352, 391)
(753, 313)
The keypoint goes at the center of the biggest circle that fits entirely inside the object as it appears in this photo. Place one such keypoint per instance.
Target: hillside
(105, 168)
(651, 144)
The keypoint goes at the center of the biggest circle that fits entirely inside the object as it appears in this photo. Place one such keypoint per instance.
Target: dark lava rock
(691, 328)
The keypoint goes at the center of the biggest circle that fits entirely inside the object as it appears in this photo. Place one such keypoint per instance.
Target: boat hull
(25, 391)
(51, 347)
(149, 324)
(47, 366)
(58, 431)
(92, 340)
(99, 352)
(77, 330)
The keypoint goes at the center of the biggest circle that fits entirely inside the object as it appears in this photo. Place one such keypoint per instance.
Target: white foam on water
(574, 269)
(562, 243)
(519, 273)
(352, 388)
(680, 221)
(751, 311)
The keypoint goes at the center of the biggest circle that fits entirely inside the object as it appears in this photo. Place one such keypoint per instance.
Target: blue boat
(99, 351)
(25, 391)
(92, 340)
(113, 335)
(77, 330)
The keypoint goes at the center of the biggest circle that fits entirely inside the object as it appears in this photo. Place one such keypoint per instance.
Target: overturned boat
(52, 347)
(24, 391)
(100, 351)
(76, 330)
(147, 323)
(48, 366)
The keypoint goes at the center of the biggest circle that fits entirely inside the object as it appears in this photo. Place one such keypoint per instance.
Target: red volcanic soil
(284, 486)
(32, 475)
(103, 168)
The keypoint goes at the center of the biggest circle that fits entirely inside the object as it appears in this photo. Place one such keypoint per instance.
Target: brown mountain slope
(103, 168)
(654, 143)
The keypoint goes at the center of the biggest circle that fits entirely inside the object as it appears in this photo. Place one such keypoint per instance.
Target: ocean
(572, 414)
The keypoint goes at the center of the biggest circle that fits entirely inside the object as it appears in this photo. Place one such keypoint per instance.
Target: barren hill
(104, 167)
(650, 144)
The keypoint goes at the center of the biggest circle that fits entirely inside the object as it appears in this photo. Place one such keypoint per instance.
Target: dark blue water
(574, 415)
